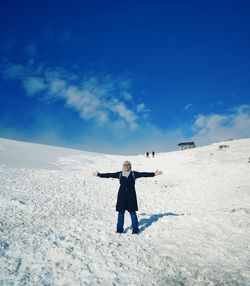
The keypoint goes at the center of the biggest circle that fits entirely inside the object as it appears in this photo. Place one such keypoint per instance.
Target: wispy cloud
(189, 106)
(142, 109)
(13, 71)
(34, 85)
(107, 103)
(104, 99)
(124, 113)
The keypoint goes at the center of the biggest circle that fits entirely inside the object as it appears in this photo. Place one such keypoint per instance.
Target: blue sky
(124, 76)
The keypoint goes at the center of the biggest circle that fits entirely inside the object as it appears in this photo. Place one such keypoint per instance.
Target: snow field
(57, 226)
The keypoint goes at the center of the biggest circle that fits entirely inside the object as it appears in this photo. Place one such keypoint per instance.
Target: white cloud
(102, 117)
(94, 99)
(123, 112)
(104, 100)
(189, 106)
(13, 71)
(216, 127)
(100, 88)
(107, 102)
(82, 101)
(57, 86)
(126, 95)
(141, 108)
(34, 85)
(200, 122)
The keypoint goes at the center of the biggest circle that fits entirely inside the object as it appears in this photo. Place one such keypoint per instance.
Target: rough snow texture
(57, 222)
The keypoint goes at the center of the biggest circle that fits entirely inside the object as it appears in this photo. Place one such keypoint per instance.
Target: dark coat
(126, 198)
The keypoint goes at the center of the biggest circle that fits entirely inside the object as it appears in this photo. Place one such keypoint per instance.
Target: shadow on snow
(147, 222)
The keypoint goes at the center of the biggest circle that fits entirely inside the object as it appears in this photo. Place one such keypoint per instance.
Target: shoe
(119, 231)
(135, 231)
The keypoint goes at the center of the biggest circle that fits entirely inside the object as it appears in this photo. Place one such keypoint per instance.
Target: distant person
(147, 155)
(153, 154)
(126, 199)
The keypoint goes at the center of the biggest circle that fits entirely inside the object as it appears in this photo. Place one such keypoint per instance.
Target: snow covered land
(57, 221)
